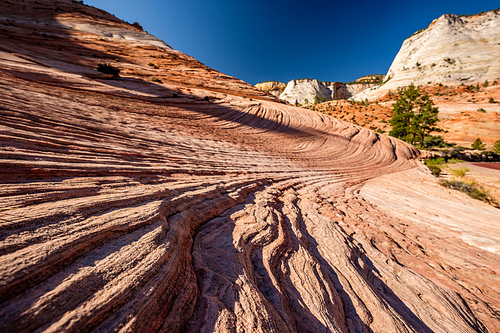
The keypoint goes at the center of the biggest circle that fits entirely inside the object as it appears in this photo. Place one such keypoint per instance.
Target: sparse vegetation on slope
(108, 69)
(471, 189)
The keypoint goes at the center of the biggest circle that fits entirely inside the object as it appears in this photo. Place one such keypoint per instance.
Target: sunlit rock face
(274, 88)
(195, 203)
(306, 91)
(452, 50)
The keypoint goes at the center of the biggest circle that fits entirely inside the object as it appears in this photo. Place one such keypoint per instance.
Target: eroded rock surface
(134, 206)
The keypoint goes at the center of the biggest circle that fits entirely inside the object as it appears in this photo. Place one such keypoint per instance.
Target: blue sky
(261, 40)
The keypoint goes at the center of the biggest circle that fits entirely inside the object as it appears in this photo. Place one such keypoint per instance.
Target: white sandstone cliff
(453, 49)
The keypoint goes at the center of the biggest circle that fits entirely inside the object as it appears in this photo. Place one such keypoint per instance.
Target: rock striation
(452, 50)
(178, 205)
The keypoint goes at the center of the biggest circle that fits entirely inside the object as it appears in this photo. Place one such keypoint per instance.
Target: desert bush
(435, 170)
(433, 165)
(481, 110)
(155, 79)
(460, 172)
(434, 161)
(472, 190)
(138, 26)
(108, 69)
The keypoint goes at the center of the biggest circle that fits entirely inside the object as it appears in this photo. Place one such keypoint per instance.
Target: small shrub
(152, 65)
(138, 26)
(472, 190)
(491, 100)
(460, 172)
(108, 69)
(435, 170)
(155, 79)
(434, 161)
(481, 110)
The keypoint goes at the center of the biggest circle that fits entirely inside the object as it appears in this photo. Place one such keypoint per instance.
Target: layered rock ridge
(132, 205)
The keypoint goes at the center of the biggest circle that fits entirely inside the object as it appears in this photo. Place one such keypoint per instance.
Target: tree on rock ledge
(413, 116)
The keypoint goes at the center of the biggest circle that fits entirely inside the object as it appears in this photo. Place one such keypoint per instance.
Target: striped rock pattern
(133, 206)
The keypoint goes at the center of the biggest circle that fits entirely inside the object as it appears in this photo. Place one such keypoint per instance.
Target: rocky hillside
(305, 91)
(175, 198)
(465, 112)
(274, 88)
(452, 50)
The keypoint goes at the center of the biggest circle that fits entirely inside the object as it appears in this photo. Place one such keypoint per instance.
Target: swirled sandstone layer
(132, 206)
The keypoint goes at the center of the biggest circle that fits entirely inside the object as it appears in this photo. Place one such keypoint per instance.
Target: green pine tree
(413, 116)
(478, 145)
(496, 147)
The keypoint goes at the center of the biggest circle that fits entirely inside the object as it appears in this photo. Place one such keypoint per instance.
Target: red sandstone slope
(133, 206)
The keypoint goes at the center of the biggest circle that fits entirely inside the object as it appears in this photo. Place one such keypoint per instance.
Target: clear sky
(261, 40)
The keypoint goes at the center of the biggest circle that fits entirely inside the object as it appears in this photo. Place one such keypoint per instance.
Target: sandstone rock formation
(137, 206)
(274, 88)
(305, 91)
(452, 50)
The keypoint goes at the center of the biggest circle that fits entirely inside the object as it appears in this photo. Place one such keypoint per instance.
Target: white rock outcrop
(305, 90)
(453, 49)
